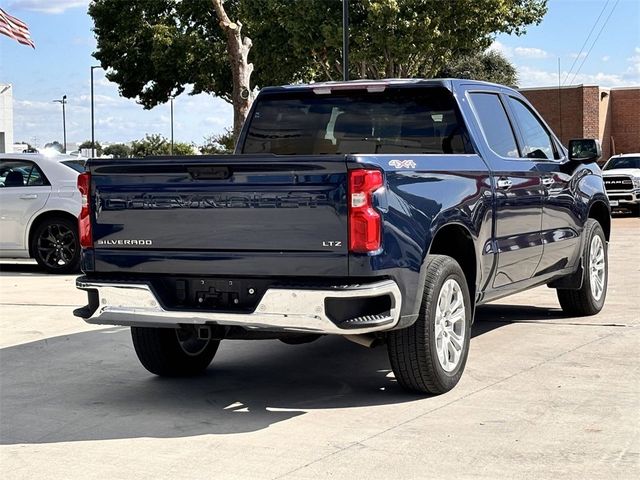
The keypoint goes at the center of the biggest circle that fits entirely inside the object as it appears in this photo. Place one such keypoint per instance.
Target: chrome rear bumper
(280, 309)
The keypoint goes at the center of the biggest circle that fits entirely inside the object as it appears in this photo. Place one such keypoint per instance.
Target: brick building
(587, 111)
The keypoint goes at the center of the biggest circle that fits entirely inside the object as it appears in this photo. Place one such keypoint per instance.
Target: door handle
(28, 196)
(504, 183)
(547, 181)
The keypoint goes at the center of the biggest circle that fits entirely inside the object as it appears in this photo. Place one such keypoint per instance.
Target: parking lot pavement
(543, 396)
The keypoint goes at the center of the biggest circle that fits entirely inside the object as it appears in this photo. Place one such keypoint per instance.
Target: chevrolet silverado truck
(382, 211)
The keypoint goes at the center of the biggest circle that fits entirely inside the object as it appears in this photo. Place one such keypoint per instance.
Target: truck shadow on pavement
(90, 386)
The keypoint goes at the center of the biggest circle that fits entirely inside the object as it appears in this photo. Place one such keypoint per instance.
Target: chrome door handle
(547, 181)
(504, 183)
(28, 196)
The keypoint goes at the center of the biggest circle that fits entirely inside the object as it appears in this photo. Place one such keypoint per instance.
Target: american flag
(14, 28)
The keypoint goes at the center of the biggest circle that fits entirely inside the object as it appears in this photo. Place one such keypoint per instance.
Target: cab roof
(378, 85)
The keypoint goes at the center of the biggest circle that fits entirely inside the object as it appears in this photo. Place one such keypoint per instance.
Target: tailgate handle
(209, 173)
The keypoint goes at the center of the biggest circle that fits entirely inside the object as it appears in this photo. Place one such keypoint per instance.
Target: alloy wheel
(597, 267)
(450, 325)
(56, 246)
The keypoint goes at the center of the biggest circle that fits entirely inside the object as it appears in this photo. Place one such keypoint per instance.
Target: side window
(537, 141)
(36, 178)
(495, 124)
(20, 173)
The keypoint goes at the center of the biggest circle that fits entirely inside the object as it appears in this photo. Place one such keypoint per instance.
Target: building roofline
(636, 87)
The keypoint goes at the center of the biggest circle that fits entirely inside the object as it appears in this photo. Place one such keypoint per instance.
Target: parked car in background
(382, 211)
(622, 180)
(39, 206)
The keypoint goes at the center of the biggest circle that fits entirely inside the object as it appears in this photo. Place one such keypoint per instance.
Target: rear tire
(173, 352)
(55, 245)
(589, 299)
(430, 355)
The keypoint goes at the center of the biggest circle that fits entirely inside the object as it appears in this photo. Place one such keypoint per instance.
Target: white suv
(39, 206)
(621, 176)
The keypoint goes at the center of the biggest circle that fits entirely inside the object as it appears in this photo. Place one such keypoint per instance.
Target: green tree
(217, 144)
(182, 148)
(156, 144)
(87, 144)
(490, 66)
(153, 49)
(118, 150)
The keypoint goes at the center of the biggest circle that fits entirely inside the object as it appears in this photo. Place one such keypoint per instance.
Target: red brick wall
(590, 112)
(616, 122)
(625, 120)
(549, 102)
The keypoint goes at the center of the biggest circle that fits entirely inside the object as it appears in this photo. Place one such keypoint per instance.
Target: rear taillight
(84, 220)
(365, 223)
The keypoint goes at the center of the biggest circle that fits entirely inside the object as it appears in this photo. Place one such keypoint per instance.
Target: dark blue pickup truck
(383, 211)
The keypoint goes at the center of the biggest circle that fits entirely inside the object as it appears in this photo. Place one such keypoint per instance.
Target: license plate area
(211, 294)
(614, 203)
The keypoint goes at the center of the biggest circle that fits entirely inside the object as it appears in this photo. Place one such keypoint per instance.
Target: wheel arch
(42, 217)
(456, 241)
(599, 211)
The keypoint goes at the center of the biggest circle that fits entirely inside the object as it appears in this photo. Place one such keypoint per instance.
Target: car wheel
(589, 299)
(430, 355)
(55, 245)
(173, 352)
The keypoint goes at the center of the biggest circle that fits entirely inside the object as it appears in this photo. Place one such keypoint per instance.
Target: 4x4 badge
(402, 163)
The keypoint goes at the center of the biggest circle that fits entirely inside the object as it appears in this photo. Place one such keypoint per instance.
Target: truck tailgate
(224, 203)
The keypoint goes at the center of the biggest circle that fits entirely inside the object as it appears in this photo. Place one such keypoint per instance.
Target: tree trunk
(238, 51)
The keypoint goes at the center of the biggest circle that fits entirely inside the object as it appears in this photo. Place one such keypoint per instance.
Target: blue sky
(60, 65)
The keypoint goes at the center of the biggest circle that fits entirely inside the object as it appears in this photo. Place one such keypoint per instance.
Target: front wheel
(430, 355)
(173, 352)
(589, 299)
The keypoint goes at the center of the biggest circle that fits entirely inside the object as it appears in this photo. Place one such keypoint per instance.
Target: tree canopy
(490, 66)
(157, 144)
(154, 49)
(87, 144)
(117, 150)
(216, 144)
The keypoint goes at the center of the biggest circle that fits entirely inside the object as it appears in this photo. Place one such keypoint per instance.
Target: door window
(537, 142)
(495, 124)
(20, 173)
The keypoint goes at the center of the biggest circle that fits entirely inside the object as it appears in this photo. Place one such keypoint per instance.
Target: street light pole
(63, 101)
(93, 133)
(171, 150)
(345, 40)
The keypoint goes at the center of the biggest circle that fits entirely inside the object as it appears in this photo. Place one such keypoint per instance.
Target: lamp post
(63, 101)
(345, 40)
(171, 150)
(93, 135)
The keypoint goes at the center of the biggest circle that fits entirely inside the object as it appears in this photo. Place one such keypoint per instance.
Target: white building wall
(6, 118)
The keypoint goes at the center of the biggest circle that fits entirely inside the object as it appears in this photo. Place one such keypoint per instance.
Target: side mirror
(585, 150)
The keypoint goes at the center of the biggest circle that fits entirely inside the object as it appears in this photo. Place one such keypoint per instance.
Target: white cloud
(47, 6)
(605, 58)
(532, 77)
(634, 69)
(580, 55)
(530, 52)
(501, 48)
(119, 119)
(523, 52)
